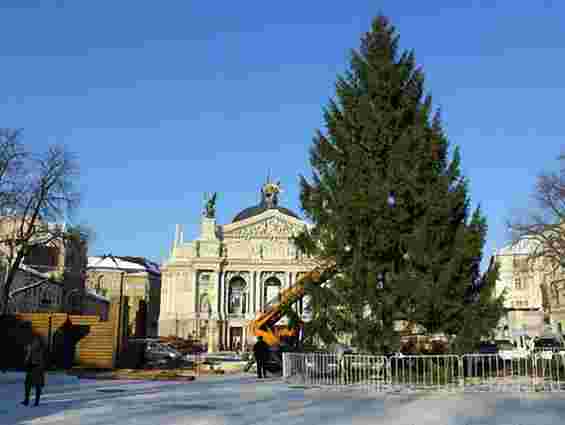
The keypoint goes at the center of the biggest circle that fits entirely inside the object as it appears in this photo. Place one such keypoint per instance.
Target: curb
(138, 378)
(116, 375)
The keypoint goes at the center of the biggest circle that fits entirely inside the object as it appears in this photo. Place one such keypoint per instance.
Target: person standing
(261, 352)
(35, 364)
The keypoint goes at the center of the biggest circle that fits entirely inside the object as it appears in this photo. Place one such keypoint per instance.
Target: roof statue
(270, 194)
(210, 205)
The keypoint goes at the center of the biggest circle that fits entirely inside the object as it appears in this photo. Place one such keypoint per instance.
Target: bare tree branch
(542, 232)
(35, 191)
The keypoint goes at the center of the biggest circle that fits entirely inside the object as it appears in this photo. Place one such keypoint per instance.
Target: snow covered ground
(242, 400)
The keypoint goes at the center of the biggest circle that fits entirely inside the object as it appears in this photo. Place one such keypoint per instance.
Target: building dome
(259, 209)
(269, 201)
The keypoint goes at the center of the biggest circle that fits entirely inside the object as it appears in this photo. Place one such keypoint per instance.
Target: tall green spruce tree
(392, 211)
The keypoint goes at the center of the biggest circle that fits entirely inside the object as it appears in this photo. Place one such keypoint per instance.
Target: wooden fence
(97, 343)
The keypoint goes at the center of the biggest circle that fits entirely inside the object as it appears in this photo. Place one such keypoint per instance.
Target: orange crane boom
(264, 323)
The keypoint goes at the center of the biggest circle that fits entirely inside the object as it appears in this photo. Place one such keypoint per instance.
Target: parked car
(488, 348)
(159, 354)
(506, 350)
(546, 346)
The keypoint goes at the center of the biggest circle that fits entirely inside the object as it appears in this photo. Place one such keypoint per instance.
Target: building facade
(554, 281)
(534, 293)
(51, 277)
(36, 292)
(214, 286)
(136, 278)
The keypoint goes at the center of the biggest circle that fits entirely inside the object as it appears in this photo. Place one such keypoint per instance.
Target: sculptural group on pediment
(273, 227)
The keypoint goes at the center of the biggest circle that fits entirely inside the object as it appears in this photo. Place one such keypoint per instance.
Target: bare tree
(36, 191)
(542, 229)
(12, 159)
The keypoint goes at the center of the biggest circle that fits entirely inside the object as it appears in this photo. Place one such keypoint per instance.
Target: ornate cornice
(270, 224)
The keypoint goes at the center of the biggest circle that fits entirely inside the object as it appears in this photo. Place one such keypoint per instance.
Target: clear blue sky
(162, 101)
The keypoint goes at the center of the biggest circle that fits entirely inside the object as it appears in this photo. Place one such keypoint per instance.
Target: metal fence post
(49, 336)
(388, 371)
(461, 372)
(473, 372)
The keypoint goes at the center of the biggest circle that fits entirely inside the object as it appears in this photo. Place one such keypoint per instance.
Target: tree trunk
(13, 268)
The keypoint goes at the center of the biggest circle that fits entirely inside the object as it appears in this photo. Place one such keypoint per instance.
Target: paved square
(242, 400)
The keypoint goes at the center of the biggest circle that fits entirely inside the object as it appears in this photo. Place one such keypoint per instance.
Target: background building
(141, 282)
(552, 280)
(528, 307)
(51, 277)
(213, 286)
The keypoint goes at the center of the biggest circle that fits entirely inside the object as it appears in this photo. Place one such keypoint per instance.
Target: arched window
(272, 291)
(237, 296)
(99, 284)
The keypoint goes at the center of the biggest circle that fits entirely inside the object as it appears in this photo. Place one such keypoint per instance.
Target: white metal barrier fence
(469, 372)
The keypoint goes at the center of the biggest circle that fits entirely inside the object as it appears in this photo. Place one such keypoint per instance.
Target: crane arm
(264, 323)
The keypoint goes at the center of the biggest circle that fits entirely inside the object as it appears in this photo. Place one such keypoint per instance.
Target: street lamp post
(120, 311)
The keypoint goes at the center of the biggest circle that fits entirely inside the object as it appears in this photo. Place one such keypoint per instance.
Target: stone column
(220, 298)
(244, 338)
(254, 280)
(196, 287)
(213, 336)
(169, 290)
(301, 305)
(290, 283)
(248, 295)
(165, 300)
(225, 295)
(172, 283)
(163, 305)
(260, 287)
(225, 309)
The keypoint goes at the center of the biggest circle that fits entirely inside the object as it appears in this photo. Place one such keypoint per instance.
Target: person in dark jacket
(261, 352)
(35, 365)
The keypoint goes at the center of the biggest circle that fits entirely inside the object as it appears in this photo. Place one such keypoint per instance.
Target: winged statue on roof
(210, 205)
